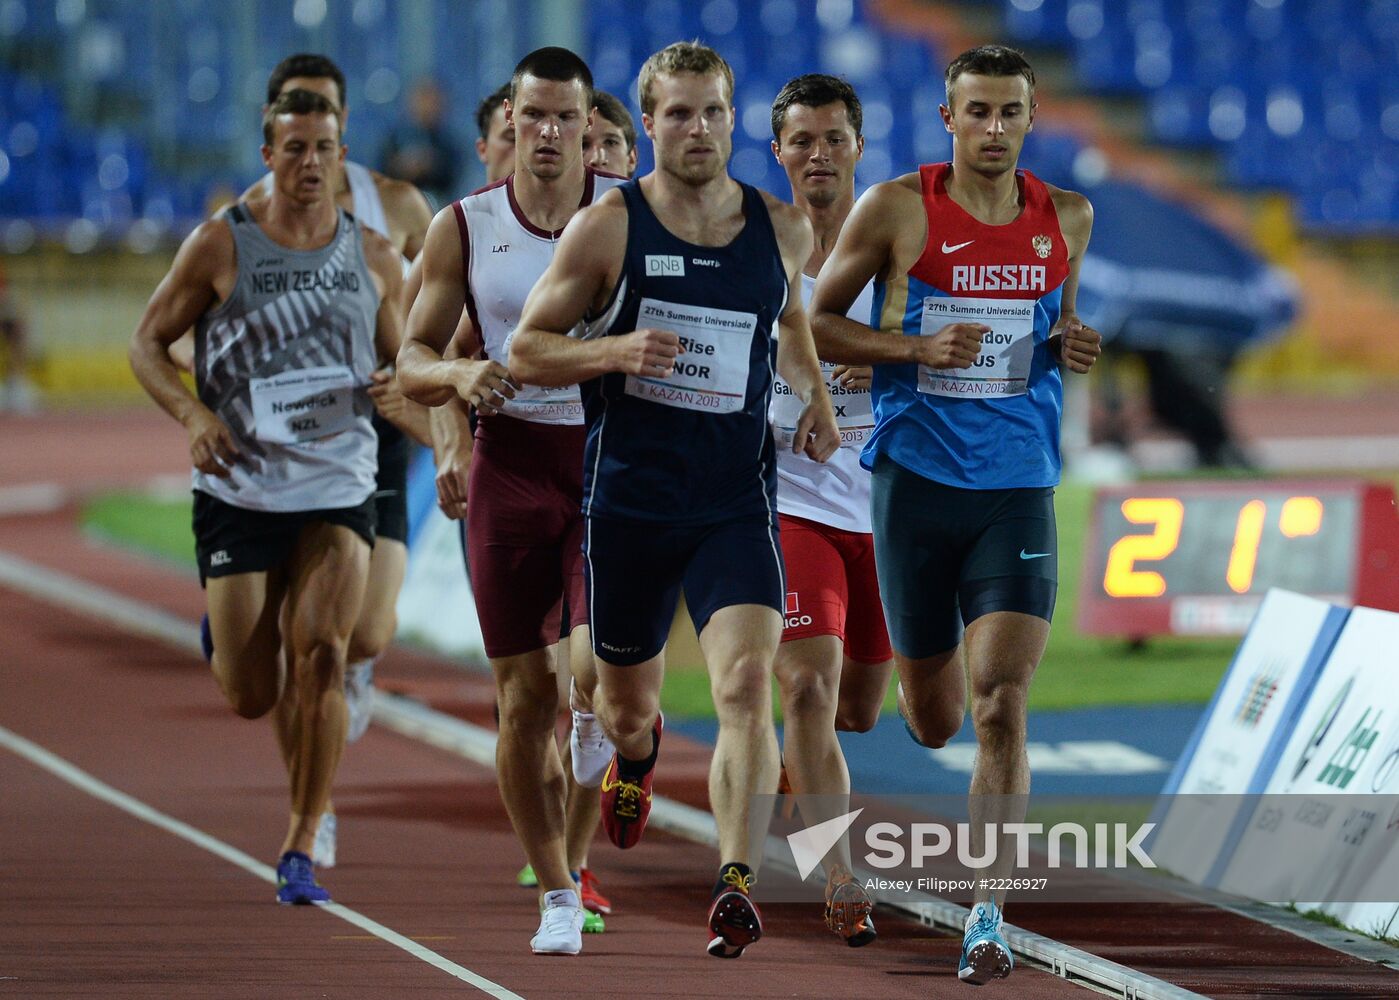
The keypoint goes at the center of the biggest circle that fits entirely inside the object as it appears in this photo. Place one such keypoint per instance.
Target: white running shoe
(323, 851)
(560, 925)
(590, 749)
(359, 698)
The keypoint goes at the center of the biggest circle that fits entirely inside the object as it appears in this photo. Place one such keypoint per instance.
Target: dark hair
(616, 112)
(990, 60)
(551, 63)
(816, 90)
(307, 64)
(298, 102)
(486, 109)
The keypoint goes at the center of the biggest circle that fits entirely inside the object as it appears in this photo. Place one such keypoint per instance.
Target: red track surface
(94, 902)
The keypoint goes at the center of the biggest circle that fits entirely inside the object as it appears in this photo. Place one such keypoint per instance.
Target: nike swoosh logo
(1032, 555)
(948, 249)
(611, 770)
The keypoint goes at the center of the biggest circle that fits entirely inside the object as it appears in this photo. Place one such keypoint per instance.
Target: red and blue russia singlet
(994, 425)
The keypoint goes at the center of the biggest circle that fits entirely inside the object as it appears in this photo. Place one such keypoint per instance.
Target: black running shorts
(947, 556)
(230, 540)
(391, 482)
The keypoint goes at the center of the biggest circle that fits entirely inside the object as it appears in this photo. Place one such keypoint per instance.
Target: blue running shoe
(296, 881)
(985, 954)
(206, 639)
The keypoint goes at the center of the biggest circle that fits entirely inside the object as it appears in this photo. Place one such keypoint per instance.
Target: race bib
(542, 404)
(1003, 366)
(303, 405)
(854, 411)
(712, 374)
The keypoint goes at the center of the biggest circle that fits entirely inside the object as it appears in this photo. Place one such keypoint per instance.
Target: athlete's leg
(739, 643)
(1003, 650)
(627, 701)
(808, 678)
(527, 761)
(327, 579)
(583, 806)
(243, 618)
(932, 695)
(378, 619)
(919, 569)
(869, 657)
(862, 690)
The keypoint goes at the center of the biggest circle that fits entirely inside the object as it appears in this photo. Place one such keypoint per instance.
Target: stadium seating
(1297, 95)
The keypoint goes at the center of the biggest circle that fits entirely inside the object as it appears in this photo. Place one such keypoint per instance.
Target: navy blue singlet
(694, 448)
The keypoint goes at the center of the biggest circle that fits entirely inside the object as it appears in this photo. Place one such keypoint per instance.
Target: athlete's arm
(425, 374)
(204, 271)
(385, 264)
(449, 430)
(883, 237)
(182, 350)
(586, 267)
(816, 430)
(383, 261)
(1076, 345)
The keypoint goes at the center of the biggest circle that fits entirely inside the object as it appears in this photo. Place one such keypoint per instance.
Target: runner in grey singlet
(285, 362)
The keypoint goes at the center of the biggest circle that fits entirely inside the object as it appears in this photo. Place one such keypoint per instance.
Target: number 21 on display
(1300, 516)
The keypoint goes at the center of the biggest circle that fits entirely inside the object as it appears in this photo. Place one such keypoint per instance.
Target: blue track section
(1096, 751)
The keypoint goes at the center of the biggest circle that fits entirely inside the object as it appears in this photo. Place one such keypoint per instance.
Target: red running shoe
(626, 804)
(591, 893)
(734, 922)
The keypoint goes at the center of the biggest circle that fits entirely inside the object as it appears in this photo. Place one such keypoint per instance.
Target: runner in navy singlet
(682, 277)
(976, 269)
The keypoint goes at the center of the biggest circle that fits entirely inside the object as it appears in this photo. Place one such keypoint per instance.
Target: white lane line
(135, 617)
(32, 498)
(80, 779)
(477, 744)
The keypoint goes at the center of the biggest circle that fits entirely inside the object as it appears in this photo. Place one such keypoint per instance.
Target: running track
(96, 902)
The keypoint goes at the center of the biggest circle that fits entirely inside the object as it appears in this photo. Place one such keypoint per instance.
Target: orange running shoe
(848, 908)
(734, 922)
(626, 804)
(591, 893)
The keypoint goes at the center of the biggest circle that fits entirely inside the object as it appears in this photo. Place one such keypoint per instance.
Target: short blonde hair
(681, 57)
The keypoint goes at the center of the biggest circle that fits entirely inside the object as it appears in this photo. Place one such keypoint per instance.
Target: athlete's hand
(649, 353)
(387, 396)
(1079, 345)
(211, 445)
(853, 376)
(484, 384)
(817, 434)
(954, 346)
(453, 468)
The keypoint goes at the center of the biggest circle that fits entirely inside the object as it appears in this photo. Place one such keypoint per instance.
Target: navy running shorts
(635, 571)
(947, 556)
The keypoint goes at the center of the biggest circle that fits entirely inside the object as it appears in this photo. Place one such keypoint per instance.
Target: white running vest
(838, 492)
(368, 207)
(506, 256)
